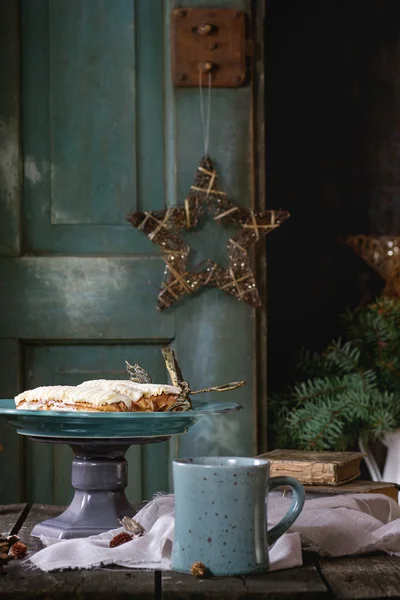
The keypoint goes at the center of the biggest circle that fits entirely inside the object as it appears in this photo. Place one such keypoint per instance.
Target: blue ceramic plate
(46, 423)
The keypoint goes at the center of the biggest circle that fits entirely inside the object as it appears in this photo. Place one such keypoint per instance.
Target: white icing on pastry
(72, 395)
(96, 392)
(134, 391)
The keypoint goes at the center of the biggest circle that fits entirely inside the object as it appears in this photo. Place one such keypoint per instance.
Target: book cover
(391, 490)
(316, 468)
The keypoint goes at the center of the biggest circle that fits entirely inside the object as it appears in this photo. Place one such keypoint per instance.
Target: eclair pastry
(145, 397)
(100, 395)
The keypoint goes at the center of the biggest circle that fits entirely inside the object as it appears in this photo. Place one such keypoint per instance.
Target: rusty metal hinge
(209, 41)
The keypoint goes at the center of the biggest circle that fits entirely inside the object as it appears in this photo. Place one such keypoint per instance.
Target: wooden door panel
(11, 450)
(48, 466)
(9, 130)
(82, 297)
(92, 124)
(90, 108)
(215, 333)
(218, 351)
(91, 72)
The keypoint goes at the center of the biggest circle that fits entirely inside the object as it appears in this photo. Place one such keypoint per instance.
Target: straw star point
(163, 228)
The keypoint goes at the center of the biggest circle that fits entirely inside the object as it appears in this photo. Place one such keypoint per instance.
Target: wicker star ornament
(382, 253)
(163, 228)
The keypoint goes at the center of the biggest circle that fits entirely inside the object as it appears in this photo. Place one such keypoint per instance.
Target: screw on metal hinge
(204, 29)
(206, 67)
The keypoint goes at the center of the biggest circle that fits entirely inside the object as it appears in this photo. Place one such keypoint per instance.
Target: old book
(355, 487)
(316, 468)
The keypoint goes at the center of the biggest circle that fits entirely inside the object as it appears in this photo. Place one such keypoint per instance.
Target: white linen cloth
(331, 526)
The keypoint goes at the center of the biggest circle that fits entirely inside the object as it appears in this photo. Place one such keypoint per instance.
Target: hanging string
(205, 114)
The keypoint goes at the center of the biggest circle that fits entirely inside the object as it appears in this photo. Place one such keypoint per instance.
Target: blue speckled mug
(220, 514)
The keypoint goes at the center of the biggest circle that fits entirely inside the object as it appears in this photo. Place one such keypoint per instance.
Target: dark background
(333, 160)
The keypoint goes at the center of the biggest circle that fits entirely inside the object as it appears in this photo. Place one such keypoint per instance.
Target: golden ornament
(382, 253)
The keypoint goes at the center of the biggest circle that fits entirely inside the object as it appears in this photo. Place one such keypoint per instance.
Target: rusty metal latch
(209, 41)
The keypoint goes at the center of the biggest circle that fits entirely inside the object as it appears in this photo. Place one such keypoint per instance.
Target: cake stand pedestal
(99, 478)
(99, 469)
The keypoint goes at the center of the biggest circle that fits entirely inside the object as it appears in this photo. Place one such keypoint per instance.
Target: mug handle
(294, 510)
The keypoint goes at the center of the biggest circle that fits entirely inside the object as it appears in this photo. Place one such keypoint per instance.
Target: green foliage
(353, 386)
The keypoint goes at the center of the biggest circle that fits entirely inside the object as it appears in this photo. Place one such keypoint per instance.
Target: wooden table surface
(374, 576)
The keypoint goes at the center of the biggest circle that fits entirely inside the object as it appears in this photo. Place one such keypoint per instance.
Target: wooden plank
(178, 586)
(12, 517)
(40, 235)
(82, 298)
(259, 10)
(81, 585)
(40, 472)
(219, 352)
(10, 184)
(155, 469)
(361, 577)
(92, 111)
(303, 582)
(9, 368)
(63, 491)
(11, 444)
(22, 582)
(155, 457)
(395, 561)
(150, 105)
(217, 356)
(42, 477)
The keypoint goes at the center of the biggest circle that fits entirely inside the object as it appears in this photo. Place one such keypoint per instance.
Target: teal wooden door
(91, 128)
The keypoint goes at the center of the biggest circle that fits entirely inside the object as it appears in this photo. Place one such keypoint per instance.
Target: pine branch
(352, 387)
(313, 443)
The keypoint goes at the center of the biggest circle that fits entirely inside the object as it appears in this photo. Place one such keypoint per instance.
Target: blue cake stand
(99, 468)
